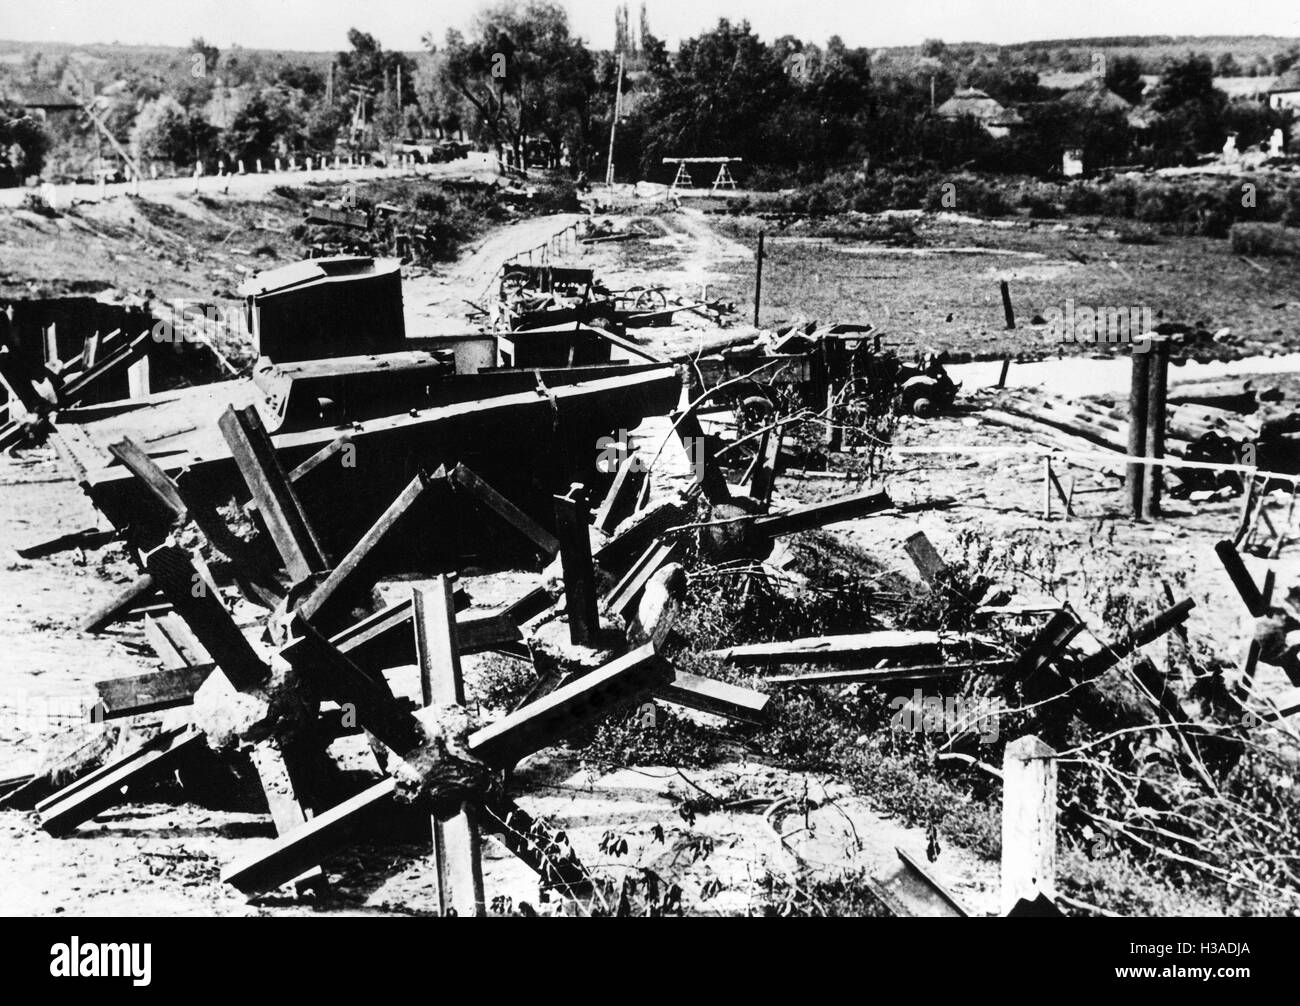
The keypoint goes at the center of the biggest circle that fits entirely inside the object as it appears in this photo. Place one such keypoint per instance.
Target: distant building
(1094, 96)
(40, 99)
(970, 102)
(1285, 91)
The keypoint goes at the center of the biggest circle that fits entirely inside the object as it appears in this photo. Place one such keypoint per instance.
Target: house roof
(41, 96)
(1094, 96)
(1289, 81)
(977, 104)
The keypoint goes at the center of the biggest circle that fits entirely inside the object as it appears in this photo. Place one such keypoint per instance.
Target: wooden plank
(334, 447)
(141, 589)
(708, 473)
(622, 599)
(134, 694)
(540, 846)
(1241, 578)
(1153, 628)
(571, 522)
(767, 462)
(123, 355)
(814, 515)
(133, 457)
(434, 621)
(467, 481)
(1028, 821)
(61, 812)
(327, 602)
(651, 524)
(198, 604)
(820, 649)
(916, 672)
(336, 676)
(281, 510)
(911, 891)
(324, 835)
(1050, 642)
(708, 695)
(924, 556)
(546, 721)
(287, 811)
(620, 501)
(173, 641)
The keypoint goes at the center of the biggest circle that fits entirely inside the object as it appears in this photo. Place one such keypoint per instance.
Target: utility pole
(329, 88)
(618, 102)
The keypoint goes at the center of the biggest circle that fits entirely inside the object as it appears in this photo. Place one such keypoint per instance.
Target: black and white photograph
(595, 458)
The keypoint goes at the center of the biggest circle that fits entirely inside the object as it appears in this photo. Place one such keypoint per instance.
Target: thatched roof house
(988, 112)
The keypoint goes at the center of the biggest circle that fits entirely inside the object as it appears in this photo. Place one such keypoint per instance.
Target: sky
(401, 24)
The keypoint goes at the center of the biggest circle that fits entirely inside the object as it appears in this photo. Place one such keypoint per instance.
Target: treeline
(521, 83)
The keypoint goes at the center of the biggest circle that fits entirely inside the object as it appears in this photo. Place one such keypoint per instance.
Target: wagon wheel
(513, 284)
(754, 411)
(649, 299)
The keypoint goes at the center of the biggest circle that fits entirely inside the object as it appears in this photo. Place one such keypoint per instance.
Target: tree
(933, 48)
(1183, 81)
(1227, 66)
(23, 144)
(267, 124)
(370, 67)
(524, 74)
(1124, 77)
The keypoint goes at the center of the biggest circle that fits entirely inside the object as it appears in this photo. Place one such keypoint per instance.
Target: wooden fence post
(1028, 821)
(1135, 476)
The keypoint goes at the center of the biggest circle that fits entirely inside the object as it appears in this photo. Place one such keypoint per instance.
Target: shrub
(1264, 239)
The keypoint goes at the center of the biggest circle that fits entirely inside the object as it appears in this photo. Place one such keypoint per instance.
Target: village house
(971, 102)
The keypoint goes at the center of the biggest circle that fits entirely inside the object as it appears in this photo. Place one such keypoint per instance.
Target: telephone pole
(618, 102)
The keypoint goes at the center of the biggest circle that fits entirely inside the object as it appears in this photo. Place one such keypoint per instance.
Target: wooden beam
(174, 642)
(141, 589)
(829, 649)
(546, 721)
(924, 556)
(708, 695)
(911, 891)
(198, 604)
(1150, 630)
(1241, 579)
(281, 510)
(1050, 642)
(814, 515)
(883, 675)
(434, 621)
(572, 525)
(708, 473)
(622, 599)
(287, 810)
(620, 501)
(335, 446)
(327, 602)
(459, 871)
(134, 459)
(314, 842)
(467, 481)
(134, 694)
(767, 460)
(61, 812)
